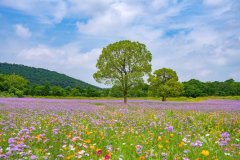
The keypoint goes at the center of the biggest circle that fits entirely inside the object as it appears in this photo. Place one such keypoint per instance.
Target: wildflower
(74, 139)
(60, 156)
(72, 148)
(170, 128)
(225, 135)
(102, 135)
(32, 128)
(186, 151)
(160, 146)
(88, 133)
(181, 144)
(11, 140)
(3, 156)
(205, 152)
(87, 141)
(185, 140)
(107, 156)
(141, 158)
(227, 154)
(98, 152)
(92, 147)
(55, 131)
(69, 136)
(164, 155)
(109, 148)
(33, 157)
(159, 138)
(196, 144)
(139, 148)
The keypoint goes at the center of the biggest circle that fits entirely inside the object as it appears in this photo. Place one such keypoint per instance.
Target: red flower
(107, 157)
(98, 152)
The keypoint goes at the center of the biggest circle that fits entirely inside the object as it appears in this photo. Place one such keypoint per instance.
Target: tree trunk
(125, 96)
(125, 99)
(164, 98)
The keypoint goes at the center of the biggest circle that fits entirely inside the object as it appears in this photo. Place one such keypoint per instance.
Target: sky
(198, 39)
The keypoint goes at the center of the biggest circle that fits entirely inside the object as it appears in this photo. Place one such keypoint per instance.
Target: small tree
(164, 83)
(123, 63)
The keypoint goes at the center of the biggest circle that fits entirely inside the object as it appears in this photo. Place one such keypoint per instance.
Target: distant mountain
(39, 76)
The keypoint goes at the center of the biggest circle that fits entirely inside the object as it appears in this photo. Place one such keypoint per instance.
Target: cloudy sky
(199, 39)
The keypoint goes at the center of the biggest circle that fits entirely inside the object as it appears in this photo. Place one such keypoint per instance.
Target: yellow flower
(70, 157)
(181, 144)
(159, 138)
(160, 146)
(171, 135)
(102, 135)
(87, 141)
(205, 152)
(141, 158)
(69, 136)
(38, 137)
(88, 133)
(92, 147)
(198, 159)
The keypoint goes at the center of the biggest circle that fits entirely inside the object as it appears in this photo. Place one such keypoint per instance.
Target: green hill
(39, 76)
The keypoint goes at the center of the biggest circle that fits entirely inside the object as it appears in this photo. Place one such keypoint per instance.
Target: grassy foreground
(117, 133)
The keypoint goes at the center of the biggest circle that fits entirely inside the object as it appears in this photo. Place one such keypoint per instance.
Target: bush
(19, 94)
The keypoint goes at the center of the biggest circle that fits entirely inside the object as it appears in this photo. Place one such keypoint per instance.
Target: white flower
(72, 148)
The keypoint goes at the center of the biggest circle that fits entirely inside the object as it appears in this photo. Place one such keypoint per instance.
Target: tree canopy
(124, 64)
(164, 83)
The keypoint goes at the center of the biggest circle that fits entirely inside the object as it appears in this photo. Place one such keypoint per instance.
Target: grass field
(108, 129)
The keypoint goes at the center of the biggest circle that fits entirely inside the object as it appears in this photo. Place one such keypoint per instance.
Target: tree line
(15, 85)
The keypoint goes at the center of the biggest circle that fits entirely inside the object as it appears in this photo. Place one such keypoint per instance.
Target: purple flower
(225, 135)
(139, 148)
(23, 131)
(33, 157)
(15, 149)
(55, 131)
(11, 140)
(169, 128)
(222, 143)
(164, 154)
(197, 144)
(3, 156)
(60, 156)
(32, 128)
(224, 140)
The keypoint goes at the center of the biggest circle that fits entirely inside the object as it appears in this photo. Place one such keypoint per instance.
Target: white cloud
(22, 31)
(115, 20)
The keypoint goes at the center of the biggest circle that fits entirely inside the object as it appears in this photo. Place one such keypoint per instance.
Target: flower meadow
(41, 129)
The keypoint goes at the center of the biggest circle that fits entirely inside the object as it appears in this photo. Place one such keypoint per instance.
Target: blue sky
(199, 39)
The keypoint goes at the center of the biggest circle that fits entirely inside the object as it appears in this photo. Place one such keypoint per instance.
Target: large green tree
(124, 64)
(164, 83)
